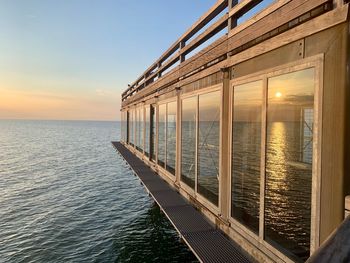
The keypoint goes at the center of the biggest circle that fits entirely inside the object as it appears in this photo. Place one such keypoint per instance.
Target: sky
(72, 59)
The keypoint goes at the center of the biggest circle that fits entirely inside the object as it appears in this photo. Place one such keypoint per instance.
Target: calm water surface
(66, 196)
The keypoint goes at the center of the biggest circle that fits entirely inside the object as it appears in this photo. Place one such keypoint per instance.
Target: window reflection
(147, 130)
(246, 149)
(171, 137)
(153, 133)
(131, 135)
(161, 134)
(122, 126)
(208, 145)
(289, 162)
(188, 140)
(141, 130)
(137, 129)
(128, 126)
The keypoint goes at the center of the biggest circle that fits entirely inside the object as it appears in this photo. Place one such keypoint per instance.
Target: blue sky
(71, 59)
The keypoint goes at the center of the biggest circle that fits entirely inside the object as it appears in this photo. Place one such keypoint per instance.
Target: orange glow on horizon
(21, 104)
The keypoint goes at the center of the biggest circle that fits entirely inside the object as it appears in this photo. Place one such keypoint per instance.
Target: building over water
(247, 116)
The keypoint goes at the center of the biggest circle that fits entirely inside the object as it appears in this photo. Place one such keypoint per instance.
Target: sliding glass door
(200, 143)
(272, 159)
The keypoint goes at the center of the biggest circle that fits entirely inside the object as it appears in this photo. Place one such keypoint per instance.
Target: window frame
(316, 62)
(161, 168)
(194, 192)
(144, 107)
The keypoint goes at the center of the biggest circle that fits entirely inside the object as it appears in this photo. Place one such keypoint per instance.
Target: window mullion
(263, 160)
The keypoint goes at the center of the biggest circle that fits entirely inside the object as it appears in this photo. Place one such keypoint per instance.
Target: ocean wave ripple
(66, 196)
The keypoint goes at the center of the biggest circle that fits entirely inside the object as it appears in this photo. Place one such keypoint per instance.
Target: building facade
(247, 116)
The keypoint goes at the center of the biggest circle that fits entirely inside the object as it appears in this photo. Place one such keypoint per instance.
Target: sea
(66, 196)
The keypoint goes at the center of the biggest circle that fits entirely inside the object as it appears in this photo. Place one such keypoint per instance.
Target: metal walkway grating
(207, 243)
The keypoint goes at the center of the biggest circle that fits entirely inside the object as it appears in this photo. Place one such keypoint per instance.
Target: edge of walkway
(208, 243)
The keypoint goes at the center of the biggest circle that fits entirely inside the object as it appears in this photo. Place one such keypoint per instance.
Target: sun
(278, 94)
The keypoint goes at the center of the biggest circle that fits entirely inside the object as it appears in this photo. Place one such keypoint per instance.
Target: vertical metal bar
(166, 136)
(263, 160)
(196, 151)
(178, 139)
(157, 128)
(225, 174)
(144, 129)
(127, 126)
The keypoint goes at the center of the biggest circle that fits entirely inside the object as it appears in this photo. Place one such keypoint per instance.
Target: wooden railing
(175, 64)
(179, 49)
(336, 248)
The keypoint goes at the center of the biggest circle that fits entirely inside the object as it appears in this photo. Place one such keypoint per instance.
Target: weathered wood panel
(242, 7)
(270, 9)
(208, 33)
(332, 43)
(213, 51)
(276, 19)
(281, 11)
(311, 27)
(219, 6)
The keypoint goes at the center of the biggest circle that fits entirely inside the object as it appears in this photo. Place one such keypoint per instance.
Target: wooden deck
(207, 243)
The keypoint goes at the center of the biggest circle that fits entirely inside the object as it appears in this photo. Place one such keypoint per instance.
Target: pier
(206, 242)
(243, 123)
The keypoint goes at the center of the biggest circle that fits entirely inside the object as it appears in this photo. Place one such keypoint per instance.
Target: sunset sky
(71, 59)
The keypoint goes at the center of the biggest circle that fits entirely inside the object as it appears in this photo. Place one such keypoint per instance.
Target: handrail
(154, 77)
(218, 7)
(337, 246)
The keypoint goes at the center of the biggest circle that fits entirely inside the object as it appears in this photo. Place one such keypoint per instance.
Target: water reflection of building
(253, 129)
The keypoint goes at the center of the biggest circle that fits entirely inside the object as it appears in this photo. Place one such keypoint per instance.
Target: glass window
(122, 126)
(161, 134)
(289, 162)
(147, 131)
(188, 140)
(171, 137)
(136, 123)
(131, 136)
(153, 134)
(246, 153)
(128, 126)
(141, 129)
(208, 145)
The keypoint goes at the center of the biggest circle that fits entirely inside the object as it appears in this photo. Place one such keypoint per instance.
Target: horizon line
(19, 119)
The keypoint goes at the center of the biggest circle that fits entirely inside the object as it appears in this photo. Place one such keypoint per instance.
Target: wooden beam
(272, 17)
(242, 7)
(208, 54)
(327, 20)
(207, 34)
(265, 12)
(282, 16)
(218, 7)
(232, 22)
